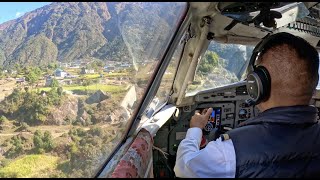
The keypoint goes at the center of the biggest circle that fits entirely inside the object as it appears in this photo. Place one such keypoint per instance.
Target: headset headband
(256, 51)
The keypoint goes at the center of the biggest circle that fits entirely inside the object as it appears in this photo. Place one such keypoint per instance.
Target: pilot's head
(293, 67)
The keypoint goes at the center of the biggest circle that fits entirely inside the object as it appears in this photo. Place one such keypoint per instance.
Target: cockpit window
(222, 64)
(72, 74)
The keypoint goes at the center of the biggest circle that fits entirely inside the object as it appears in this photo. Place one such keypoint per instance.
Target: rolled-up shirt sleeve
(217, 159)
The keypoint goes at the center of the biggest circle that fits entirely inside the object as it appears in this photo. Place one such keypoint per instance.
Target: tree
(32, 75)
(54, 83)
(60, 91)
(37, 141)
(47, 140)
(208, 62)
(37, 71)
(17, 147)
(52, 66)
(43, 143)
(24, 126)
(31, 78)
(54, 96)
(12, 102)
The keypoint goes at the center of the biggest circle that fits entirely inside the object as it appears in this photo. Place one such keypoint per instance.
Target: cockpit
(108, 89)
(232, 32)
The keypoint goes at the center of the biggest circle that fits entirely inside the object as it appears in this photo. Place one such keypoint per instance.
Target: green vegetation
(43, 142)
(16, 148)
(97, 65)
(116, 74)
(29, 166)
(86, 149)
(36, 51)
(94, 87)
(24, 127)
(18, 68)
(31, 107)
(33, 75)
(95, 76)
(54, 83)
(52, 66)
(208, 63)
(3, 119)
(91, 76)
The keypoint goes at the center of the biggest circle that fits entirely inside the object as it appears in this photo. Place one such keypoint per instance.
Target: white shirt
(216, 160)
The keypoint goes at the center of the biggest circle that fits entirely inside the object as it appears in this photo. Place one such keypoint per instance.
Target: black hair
(304, 50)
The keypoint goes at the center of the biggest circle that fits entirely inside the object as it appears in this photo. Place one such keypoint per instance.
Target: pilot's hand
(199, 120)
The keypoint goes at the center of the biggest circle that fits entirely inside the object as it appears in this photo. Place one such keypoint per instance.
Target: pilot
(283, 140)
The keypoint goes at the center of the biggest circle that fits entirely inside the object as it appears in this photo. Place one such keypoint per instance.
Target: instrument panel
(229, 110)
(232, 101)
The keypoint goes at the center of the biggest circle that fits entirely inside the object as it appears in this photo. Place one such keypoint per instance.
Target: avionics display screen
(215, 112)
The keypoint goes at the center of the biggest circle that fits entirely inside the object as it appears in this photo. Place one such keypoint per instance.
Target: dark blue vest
(280, 142)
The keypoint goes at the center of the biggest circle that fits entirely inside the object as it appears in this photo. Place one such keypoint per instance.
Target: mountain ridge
(69, 31)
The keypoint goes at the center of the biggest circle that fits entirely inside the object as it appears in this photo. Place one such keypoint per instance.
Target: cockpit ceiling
(241, 27)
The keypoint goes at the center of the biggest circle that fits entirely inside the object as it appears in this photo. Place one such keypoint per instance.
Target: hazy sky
(13, 10)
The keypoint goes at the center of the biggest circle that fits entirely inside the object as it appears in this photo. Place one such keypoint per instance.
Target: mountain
(234, 55)
(68, 31)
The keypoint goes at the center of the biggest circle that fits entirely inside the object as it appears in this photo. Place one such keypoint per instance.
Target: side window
(72, 74)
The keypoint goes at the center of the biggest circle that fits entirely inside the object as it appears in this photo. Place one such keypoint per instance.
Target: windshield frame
(153, 85)
(183, 43)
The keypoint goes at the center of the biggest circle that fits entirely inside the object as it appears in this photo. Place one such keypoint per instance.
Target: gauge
(243, 114)
(208, 127)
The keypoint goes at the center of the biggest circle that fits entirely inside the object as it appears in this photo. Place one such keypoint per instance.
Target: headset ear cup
(254, 86)
(265, 78)
(259, 84)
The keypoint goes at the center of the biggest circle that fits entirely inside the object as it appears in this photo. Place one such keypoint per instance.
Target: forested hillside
(69, 31)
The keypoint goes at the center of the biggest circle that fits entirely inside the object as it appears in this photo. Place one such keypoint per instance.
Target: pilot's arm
(217, 159)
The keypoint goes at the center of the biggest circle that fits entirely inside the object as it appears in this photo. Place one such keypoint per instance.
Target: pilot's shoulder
(243, 130)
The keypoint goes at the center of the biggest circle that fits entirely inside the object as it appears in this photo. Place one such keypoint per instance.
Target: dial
(208, 127)
(243, 114)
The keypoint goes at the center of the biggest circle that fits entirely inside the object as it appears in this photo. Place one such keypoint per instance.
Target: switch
(175, 147)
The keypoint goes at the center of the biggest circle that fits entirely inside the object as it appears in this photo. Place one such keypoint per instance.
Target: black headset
(258, 78)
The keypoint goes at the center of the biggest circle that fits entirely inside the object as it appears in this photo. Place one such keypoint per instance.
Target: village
(72, 75)
(63, 99)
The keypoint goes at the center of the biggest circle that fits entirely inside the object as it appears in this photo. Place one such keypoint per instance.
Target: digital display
(213, 116)
(215, 113)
